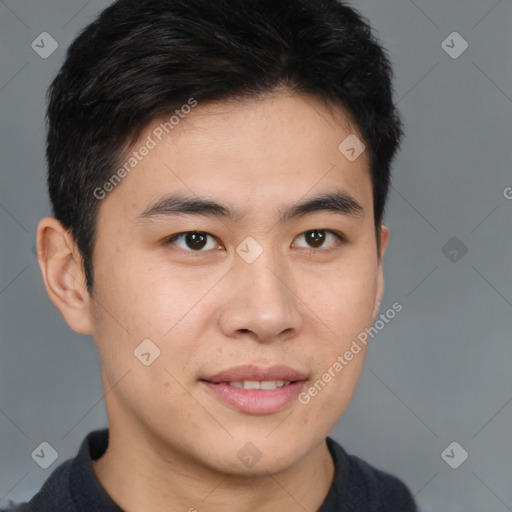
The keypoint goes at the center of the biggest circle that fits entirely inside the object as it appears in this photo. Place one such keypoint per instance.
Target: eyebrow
(338, 202)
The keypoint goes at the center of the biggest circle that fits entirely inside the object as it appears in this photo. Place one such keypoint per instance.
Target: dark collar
(86, 489)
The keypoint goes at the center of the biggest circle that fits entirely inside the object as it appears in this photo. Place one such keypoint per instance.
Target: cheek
(343, 300)
(134, 305)
(149, 298)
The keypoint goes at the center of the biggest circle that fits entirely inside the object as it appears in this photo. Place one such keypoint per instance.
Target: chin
(258, 458)
(261, 468)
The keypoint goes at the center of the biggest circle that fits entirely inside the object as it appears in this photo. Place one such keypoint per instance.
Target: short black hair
(139, 61)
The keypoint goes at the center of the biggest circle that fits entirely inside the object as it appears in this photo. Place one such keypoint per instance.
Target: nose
(263, 301)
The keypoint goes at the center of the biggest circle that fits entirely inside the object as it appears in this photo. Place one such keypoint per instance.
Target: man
(218, 173)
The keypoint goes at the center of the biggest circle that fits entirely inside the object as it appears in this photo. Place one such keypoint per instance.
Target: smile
(256, 384)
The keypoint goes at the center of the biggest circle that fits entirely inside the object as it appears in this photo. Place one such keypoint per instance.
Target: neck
(147, 477)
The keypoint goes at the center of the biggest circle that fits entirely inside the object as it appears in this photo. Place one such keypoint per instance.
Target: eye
(316, 239)
(200, 241)
(193, 241)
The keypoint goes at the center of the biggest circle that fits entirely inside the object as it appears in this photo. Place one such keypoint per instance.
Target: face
(251, 291)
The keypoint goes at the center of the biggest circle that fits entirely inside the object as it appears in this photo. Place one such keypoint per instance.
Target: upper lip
(252, 372)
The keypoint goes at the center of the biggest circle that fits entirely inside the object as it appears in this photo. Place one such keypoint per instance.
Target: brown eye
(318, 239)
(193, 241)
(315, 238)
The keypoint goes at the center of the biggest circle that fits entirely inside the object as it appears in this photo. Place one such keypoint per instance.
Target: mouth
(254, 390)
(257, 384)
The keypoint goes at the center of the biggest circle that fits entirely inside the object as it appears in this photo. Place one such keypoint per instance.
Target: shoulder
(54, 495)
(71, 482)
(16, 507)
(370, 488)
(385, 489)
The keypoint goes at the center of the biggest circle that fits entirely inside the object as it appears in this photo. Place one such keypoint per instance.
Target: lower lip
(256, 401)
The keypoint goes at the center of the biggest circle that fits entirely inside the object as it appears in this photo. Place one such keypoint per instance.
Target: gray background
(439, 372)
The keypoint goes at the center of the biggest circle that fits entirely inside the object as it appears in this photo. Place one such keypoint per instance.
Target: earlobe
(63, 276)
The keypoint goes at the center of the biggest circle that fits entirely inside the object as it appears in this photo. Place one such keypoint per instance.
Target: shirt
(357, 486)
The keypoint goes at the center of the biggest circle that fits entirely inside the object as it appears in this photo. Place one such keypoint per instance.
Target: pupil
(315, 238)
(196, 240)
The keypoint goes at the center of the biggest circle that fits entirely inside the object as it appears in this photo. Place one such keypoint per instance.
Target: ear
(61, 266)
(384, 238)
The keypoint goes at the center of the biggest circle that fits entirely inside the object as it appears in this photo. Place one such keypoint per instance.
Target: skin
(173, 446)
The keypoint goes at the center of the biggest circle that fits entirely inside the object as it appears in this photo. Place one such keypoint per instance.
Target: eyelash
(340, 239)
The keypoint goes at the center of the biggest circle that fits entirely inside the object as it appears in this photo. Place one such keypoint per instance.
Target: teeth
(272, 384)
(256, 384)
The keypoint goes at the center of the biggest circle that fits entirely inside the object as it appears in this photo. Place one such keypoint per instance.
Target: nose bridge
(267, 280)
(262, 300)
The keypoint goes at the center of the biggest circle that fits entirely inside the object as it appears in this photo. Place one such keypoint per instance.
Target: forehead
(257, 152)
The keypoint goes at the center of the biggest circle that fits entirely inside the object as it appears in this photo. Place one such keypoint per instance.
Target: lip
(256, 401)
(253, 372)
